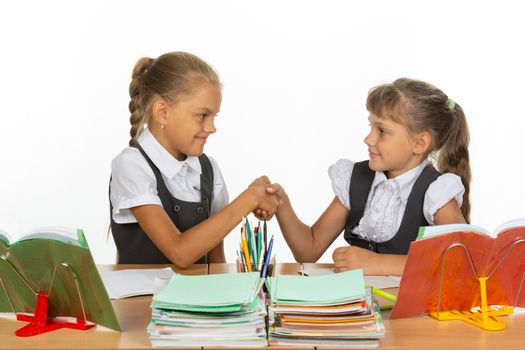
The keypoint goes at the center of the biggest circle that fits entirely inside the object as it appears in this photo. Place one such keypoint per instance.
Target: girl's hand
(274, 190)
(349, 258)
(261, 181)
(277, 190)
(266, 204)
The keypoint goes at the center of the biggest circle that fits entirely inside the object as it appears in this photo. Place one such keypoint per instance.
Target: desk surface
(134, 315)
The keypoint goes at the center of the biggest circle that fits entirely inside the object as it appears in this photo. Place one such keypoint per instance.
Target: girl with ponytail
(380, 203)
(168, 200)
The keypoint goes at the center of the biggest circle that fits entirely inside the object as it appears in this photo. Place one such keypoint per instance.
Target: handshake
(266, 197)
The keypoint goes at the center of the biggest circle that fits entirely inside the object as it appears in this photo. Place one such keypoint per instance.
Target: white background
(295, 76)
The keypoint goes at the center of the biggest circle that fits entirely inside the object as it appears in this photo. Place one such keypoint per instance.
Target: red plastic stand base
(40, 324)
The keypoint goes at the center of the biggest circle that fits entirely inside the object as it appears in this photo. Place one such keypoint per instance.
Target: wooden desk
(134, 315)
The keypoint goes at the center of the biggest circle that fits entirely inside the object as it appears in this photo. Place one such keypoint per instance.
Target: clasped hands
(270, 197)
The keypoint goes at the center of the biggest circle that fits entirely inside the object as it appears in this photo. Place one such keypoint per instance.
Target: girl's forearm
(298, 235)
(206, 236)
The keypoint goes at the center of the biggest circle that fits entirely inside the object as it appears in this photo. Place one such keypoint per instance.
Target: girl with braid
(380, 203)
(169, 202)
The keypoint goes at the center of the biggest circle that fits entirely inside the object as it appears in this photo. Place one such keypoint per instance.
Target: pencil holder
(271, 271)
(241, 267)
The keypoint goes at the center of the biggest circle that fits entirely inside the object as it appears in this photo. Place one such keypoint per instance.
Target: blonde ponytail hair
(170, 76)
(423, 107)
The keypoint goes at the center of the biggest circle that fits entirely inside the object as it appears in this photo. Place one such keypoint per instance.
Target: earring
(162, 126)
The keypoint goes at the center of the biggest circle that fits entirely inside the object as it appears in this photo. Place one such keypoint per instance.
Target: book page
(5, 237)
(437, 230)
(61, 234)
(508, 225)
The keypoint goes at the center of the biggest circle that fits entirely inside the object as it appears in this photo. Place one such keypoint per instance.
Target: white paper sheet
(132, 282)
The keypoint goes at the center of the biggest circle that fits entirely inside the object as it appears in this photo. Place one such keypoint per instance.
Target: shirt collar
(404, 181)
(168, 165)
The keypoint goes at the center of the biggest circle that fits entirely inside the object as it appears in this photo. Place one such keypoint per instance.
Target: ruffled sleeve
(446, 187)
(132, 184)
(340, 174)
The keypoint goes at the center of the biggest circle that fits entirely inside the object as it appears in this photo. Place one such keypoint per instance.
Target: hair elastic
(451, 103)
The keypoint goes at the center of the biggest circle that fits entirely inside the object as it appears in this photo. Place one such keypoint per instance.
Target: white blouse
(133, 182)
(387, 199)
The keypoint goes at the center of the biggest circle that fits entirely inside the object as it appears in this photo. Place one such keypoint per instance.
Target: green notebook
(210, 293)
(33, 258)
(327, 289)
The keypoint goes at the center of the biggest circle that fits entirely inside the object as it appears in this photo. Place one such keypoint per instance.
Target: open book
(436, 230)
(61, 234)
(29, 263)
(444, 264)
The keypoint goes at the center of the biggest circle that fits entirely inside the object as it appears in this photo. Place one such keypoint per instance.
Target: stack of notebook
(331, 310)
(210, 310)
